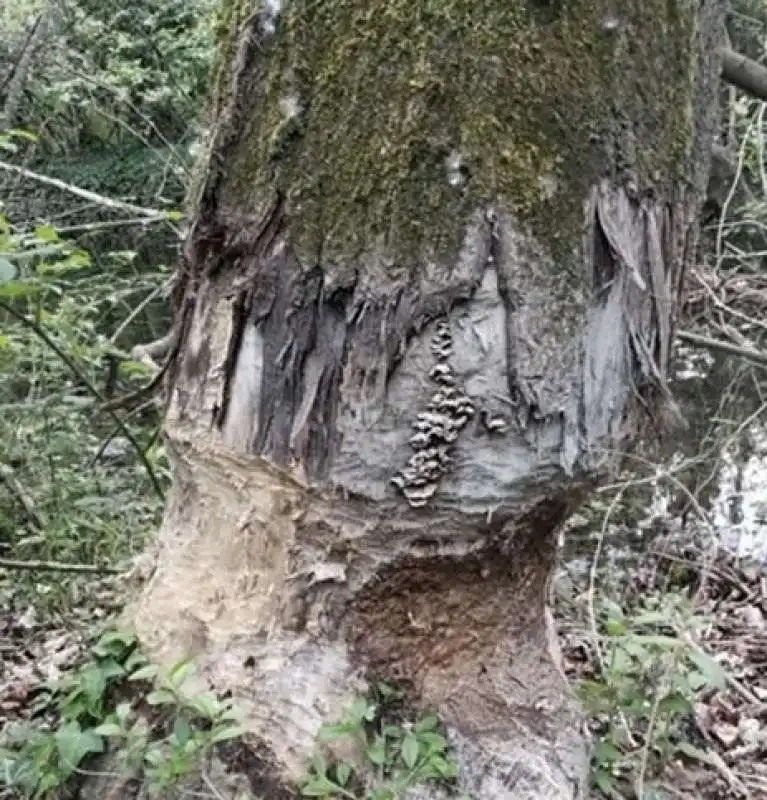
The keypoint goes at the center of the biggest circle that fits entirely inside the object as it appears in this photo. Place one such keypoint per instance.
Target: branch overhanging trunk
(379, 413)
(744, 73)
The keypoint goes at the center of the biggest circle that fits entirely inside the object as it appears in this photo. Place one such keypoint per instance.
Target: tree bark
(428, 294)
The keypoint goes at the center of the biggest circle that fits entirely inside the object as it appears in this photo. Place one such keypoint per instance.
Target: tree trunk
(427, 295)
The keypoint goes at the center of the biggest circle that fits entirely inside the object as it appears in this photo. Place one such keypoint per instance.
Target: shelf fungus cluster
(437, 428)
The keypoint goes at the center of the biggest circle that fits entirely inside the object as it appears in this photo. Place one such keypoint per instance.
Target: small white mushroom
(496, 424)
(419, 497)
(420, 440)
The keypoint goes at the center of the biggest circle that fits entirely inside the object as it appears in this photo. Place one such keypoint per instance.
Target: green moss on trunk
(539, 98)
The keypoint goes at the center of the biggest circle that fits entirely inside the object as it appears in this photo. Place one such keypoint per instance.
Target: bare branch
(22, 497)
(86, 194)
(744, 73)
(57, 566)
(756, 356)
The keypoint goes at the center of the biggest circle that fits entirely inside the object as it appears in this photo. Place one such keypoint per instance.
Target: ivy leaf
(73, 744)
(409, 750)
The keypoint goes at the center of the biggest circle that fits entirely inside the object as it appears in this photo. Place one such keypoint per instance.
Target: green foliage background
(114, 98)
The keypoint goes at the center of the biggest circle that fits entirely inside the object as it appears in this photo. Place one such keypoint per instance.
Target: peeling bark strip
(437, 251)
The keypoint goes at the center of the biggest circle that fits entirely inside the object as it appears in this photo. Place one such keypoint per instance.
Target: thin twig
(86, 194)
(39, 331)
(725, 347)
(138, 309)
(56, 566)
(22, 497)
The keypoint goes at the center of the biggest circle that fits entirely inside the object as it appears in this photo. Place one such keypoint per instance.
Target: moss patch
(537, 97)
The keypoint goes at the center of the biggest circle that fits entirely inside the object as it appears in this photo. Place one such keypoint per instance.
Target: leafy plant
(651, 674)
(89, 718)
(73, 488)
(394, 757)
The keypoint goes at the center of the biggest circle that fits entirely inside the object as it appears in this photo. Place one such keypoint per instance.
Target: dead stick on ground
(56, 566)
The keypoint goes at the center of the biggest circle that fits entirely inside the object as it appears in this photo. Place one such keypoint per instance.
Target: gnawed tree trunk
(427, 295)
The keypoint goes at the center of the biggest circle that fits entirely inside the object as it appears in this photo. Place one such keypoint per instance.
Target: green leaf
(73, 744)
(108, 729)
(343, 773)
(360, 710)
(161, 697)
(709, 668)
(113, 643)
(327, 733)
(206, 705)
(135, 660)
(436, 741)
(8, 271)
(174, 216)
(376, 753)
(318, 765)
(691, 751)
(318, 786)
(445, 768)
(178, 672)
(674, 704)
(606, 752)
(409, 751)
(18, 288)
(615, 627)
(147, 673)
(426, 723)
(651, 618)
(181, 730)
(604, 782)
(46, 233)
(386, 691)
(227, 733)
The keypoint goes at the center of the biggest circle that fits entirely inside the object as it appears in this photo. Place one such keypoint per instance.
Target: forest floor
(718, 749)
(723, 751)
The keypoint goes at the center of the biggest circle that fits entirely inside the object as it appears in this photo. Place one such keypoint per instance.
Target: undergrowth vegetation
(155, 727)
